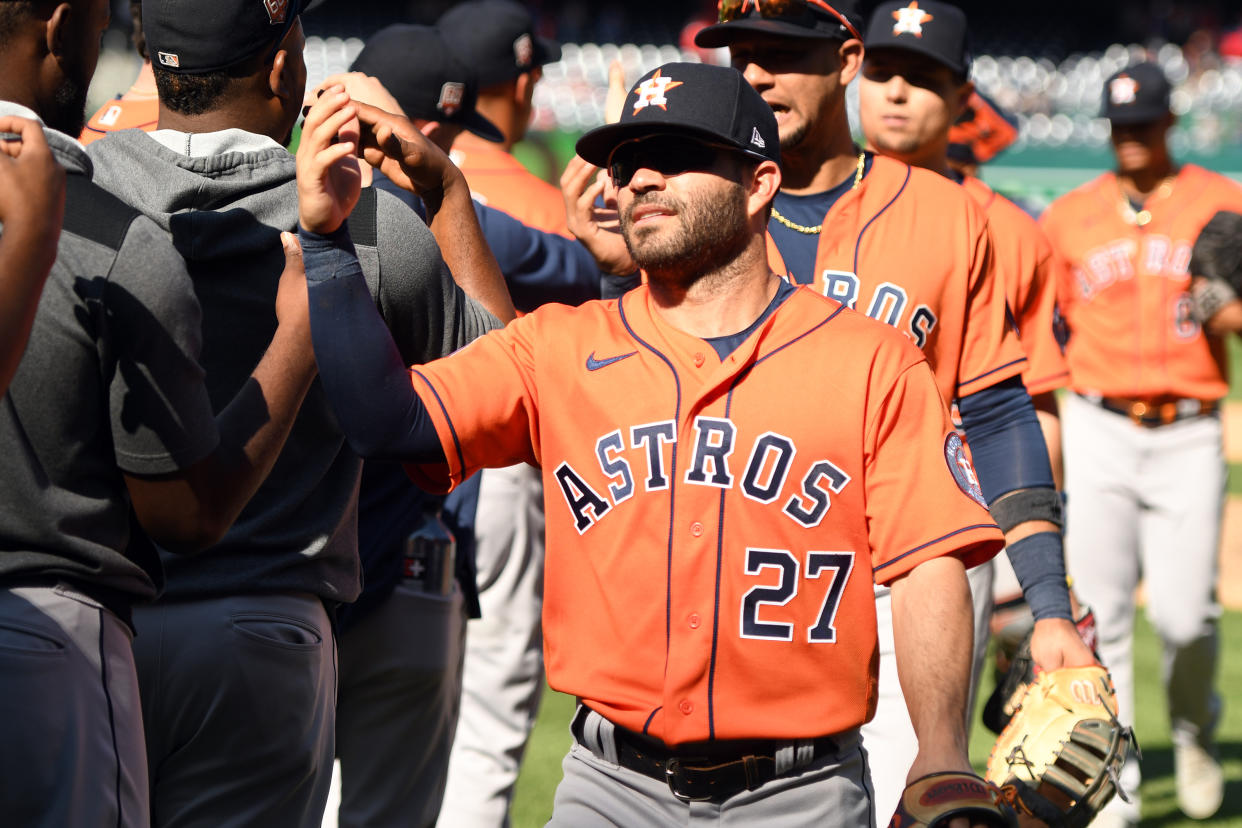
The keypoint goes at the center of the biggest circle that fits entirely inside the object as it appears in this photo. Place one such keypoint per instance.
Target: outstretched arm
(32, 206)
(360, 366)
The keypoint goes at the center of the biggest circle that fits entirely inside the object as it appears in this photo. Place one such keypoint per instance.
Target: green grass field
(542, 770)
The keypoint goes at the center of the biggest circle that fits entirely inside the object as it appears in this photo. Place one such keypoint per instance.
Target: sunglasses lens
(666, 155)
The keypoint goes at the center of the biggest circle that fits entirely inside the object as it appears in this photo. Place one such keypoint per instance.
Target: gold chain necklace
(1143, 217)
(812, 231)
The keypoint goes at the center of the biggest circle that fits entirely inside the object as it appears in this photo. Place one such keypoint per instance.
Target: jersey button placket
(699, 359)
(696, 529)
(686, 707)
(694, 620)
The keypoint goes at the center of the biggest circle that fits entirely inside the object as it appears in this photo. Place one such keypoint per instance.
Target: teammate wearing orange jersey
(908, 247)
(502, 672)
(911, 89)
(715, 529)
(1145, 472)
(139, 107)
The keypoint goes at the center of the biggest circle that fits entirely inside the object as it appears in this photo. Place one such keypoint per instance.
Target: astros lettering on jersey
(1124, 294)
(715, 528)
(884, 253)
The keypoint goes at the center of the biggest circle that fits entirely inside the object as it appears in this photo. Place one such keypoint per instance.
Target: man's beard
(68, 114)
(791, 140)
(713, 232)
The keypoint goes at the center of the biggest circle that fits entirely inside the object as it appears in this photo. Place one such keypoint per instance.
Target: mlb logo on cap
(168, 59)
(523, 50)
(452, 94)
(276, 10)
(1123, 90)
(910, 20)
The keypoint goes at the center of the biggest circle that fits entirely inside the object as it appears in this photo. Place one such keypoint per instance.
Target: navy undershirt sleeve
(359, 364)
(1005, 440)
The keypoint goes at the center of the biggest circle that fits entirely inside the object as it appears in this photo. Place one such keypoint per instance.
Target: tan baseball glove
(1059, 757)
(931, 801)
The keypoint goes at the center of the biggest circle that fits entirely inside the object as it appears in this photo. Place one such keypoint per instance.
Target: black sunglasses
(666, 154)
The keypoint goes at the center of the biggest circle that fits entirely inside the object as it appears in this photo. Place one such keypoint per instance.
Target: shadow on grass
(1160, 789)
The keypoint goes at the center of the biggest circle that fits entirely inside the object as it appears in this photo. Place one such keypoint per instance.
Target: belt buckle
(1138, 410)
(673, 776)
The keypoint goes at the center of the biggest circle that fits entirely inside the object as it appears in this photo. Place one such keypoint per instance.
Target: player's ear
(57, 37)
(276, 80)
(963, 98)
(765, 182)
(850, 55)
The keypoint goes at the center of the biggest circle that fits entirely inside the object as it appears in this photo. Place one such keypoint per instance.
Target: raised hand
(329, 178)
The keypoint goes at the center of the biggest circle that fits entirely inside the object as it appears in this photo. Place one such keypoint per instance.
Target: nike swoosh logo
(594, 364)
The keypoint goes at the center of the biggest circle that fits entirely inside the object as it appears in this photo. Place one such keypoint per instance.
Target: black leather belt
(1155, 411)
(703, 772)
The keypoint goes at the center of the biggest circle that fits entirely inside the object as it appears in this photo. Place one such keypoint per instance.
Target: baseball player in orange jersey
(502, 673)
(139, 107)
(1144, 466)
(911, 90)
(910, 248)
(714, 529)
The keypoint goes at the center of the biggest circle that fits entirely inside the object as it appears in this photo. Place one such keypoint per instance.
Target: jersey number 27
(839, 564)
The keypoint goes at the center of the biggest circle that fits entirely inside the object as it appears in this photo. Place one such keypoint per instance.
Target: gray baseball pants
(396, 712)
(830, 792)
(502, 679)
(238, 699)
(70, 720)
(1146, 504)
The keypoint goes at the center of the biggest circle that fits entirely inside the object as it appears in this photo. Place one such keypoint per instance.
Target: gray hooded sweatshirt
(224, 199)
(109, 384)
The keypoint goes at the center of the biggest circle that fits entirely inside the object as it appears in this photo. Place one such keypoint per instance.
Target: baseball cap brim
(918, 48)
(1137, 116)
(725, 34)
(474, 122)
(597, 145)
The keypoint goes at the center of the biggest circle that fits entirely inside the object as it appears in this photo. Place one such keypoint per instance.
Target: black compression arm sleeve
(359, 364)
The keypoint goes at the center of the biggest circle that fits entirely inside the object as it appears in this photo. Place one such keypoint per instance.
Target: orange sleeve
(991, 351)
(923, 499)
(482, 400)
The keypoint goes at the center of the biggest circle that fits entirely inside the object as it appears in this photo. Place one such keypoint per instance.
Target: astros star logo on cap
(1123, 90)
(910, 20)
(651, 92)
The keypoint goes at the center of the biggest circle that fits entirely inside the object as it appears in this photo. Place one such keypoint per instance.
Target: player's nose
(646, 179)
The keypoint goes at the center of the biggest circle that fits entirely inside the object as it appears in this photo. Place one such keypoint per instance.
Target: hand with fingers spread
(32, 205)
(329, 179)
(596, 227)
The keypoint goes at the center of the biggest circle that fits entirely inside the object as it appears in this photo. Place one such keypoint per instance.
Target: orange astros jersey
(714, 529)
(909, 248)
(1031, 271)
(1124, 294)
(499, 180)
(130, 111)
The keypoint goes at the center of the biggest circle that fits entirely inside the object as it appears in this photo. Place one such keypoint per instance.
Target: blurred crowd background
(1044, 63)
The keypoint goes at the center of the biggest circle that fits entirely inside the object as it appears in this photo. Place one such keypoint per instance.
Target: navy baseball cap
(418, 68)
(928, 27)
(497, 38)
(816, 19)
(713, 104)
(193, 37)
(1138, 94)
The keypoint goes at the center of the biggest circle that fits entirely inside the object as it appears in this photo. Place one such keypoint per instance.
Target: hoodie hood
(226, 205)
(68, 152)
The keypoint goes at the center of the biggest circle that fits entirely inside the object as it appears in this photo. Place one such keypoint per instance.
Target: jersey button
(694, 620)
(699, 359)
(696, 529)
(686, 707)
